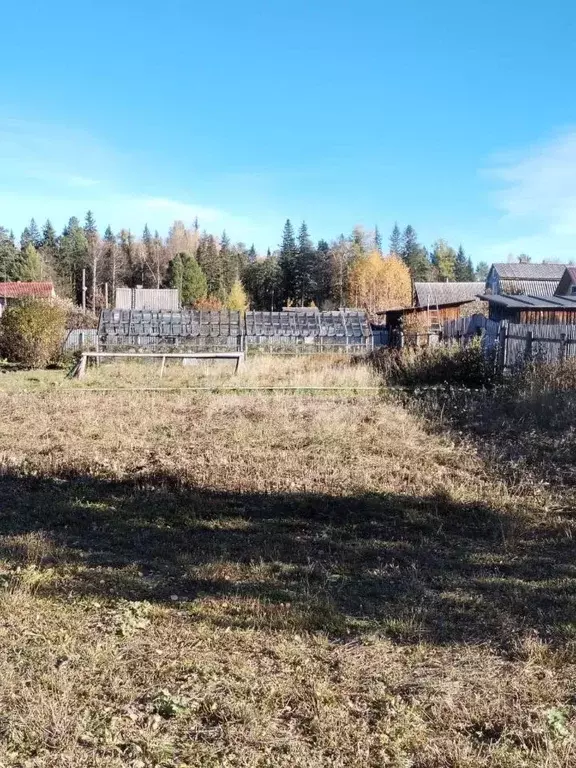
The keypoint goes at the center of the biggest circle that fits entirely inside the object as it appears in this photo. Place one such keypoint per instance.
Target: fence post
(562, 347)
(528, 349)
(502, 336)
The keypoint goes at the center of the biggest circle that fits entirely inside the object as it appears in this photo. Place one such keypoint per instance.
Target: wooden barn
(558, 308)
(529, 279)
(434, 303)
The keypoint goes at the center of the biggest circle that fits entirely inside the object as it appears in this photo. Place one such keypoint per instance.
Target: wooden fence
(512, 344)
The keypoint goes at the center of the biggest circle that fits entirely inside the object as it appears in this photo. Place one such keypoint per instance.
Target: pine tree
(287, 262)
(252, 255)
(395, 243)
(377, 240)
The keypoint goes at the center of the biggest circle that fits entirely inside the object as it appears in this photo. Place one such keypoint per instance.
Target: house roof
(567, 282)
(26, 290)
(525, 301)
(529, 287)
(445, 293)
(529, 271)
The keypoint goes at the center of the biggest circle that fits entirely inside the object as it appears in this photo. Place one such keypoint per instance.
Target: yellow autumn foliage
(379, 283)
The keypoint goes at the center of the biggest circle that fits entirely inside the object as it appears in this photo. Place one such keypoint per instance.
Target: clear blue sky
(456, 117)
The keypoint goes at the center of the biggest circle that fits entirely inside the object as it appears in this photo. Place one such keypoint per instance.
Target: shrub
(31, 332)
(440, 364)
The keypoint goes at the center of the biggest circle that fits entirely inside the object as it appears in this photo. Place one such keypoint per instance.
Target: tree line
(214, 272)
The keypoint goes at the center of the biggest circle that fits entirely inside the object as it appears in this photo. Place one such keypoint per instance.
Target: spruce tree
(304, 263)
(377, 240)
(72, 258)
(194, 284)
(462, 272)
(395, 243)
(110, 257)
(287, 262)
(252, 255)
(8, 257)
(49, 242)
(175, 274)
(229, 262)
(414, 255)
(30, 267)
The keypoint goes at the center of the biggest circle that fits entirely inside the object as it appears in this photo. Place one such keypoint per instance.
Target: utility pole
(84, 289)
(106, 295)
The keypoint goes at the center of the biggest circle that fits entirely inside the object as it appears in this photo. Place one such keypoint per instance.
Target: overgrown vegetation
(32, 332)
(221, 580)
(455, 365)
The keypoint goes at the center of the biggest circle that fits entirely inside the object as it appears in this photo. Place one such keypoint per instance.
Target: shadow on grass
(411, 568)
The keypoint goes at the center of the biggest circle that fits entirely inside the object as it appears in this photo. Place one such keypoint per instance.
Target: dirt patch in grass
(218, 580)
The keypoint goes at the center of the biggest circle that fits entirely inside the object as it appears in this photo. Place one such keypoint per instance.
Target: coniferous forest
(360, 269)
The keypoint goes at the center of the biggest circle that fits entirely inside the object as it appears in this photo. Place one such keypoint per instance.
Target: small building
(147, 299)
(520, 278)
(11, 292)
(434, 304)
(558, 308)
(567, 284)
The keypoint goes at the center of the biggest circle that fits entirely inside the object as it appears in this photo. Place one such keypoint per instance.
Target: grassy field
(199, 579)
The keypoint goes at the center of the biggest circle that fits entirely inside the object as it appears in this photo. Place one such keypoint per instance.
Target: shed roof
(525, 301)
(445, 293)
(530, 271)
(26, 290)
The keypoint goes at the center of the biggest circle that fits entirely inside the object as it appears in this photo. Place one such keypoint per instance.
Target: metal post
(106, 295)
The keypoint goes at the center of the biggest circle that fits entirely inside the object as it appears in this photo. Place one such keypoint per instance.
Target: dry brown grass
(249, 580)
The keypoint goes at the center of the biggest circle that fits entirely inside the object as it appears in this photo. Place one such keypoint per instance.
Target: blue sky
(456, 117)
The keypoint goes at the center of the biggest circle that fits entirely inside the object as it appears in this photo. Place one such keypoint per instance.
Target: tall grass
(441, 364)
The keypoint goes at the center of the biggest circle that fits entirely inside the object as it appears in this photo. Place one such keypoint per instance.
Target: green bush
(32, 332)
(441, 364)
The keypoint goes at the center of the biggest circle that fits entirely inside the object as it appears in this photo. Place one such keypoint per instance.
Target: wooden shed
(434, 303)
(532, 309)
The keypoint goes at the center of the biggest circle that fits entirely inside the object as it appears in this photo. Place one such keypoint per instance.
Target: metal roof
(528, 287)
(524, 301)
(530, 271)
(445, 293)
(567, 283)
(26, 290)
